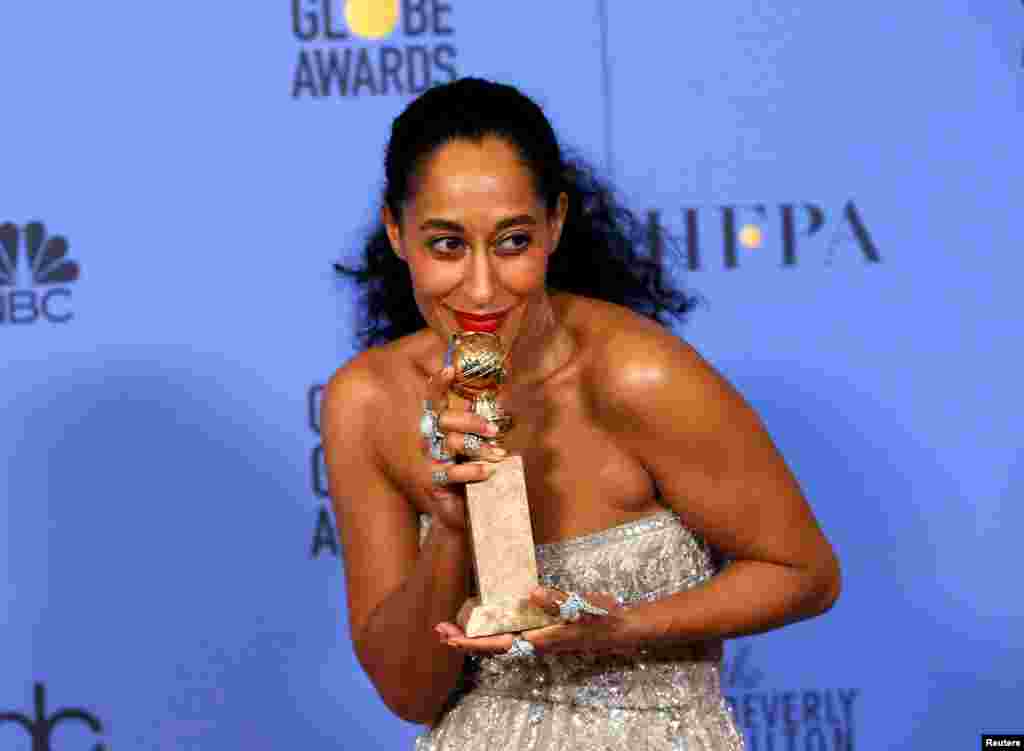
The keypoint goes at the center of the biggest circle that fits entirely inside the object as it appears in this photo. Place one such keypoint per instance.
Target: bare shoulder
(353, 391)
(637, 363)
(370, 384)
(354, 383)
(372, 376)
(356, 391)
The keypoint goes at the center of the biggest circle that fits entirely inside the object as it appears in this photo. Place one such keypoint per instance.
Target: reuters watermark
(993, 740)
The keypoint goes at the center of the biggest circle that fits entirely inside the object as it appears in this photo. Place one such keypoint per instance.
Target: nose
(479, 283)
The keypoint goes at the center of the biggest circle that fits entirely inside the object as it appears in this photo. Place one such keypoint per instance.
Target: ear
(393, 230)
(557, 219)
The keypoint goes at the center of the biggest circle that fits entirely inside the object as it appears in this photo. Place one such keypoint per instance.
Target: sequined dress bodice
(665, 697)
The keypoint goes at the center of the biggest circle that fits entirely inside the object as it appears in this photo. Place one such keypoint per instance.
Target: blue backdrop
(844, 181)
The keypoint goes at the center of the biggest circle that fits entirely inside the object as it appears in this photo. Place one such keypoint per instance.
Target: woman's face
(477, 238)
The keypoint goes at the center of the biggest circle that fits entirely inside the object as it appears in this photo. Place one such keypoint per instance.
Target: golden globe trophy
(504, 557)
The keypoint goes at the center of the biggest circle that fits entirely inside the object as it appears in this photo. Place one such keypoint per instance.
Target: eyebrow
(445, 224)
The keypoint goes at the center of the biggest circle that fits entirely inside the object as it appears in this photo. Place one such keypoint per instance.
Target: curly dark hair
(604, 252)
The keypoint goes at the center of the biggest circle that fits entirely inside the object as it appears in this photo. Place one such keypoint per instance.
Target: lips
(488, 323)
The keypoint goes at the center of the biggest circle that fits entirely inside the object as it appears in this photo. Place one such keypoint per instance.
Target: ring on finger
(521, 648)
(471, 444)
(573, 607)
(429, 429)
(428, 422)
(437, 450)
(439, 477)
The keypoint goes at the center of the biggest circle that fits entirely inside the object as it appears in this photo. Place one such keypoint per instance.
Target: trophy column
(504, 557)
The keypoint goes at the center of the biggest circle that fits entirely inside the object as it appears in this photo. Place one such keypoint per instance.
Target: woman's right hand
(449, 500)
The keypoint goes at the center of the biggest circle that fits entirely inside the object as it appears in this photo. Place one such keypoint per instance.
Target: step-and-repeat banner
(178, 179)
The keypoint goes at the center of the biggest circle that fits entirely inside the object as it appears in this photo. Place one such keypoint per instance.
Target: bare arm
(396, 593)
(718, 468)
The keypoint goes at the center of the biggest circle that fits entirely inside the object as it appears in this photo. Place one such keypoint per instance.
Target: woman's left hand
(591, 633)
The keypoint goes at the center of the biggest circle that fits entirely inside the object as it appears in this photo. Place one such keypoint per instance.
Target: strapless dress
(665, 697)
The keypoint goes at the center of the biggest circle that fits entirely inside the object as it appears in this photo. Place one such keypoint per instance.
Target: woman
(640, 459)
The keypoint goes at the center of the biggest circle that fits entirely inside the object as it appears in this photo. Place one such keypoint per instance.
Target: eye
(448, 245)
(516, 243)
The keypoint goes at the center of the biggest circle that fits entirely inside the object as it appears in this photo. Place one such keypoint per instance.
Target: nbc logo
(46, 271)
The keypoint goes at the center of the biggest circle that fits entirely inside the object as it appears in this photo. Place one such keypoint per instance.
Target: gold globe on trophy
(480, 369)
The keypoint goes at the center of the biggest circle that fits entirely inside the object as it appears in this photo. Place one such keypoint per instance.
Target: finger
(464, 421)
(547, 599)
(551, 600)
(446, 630)
(446, 475)
(449, 507)
(483, 644)
(437, 388)
(604, 600)
(474, 446)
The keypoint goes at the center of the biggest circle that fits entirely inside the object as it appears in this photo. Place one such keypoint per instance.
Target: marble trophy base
(504, 556)
(477, 619)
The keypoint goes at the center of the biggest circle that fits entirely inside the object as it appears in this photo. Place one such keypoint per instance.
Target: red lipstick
(470, 322)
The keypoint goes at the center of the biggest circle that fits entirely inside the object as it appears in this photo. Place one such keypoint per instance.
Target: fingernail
(498, 452)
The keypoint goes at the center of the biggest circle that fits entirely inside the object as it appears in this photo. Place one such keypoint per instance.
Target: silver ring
(429, 430)
(521, 649)
(437, 451)
(471, 444)
(575, 606)
(428, 424)
(439, 477)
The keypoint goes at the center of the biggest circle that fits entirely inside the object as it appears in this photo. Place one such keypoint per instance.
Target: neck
(541, 348)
